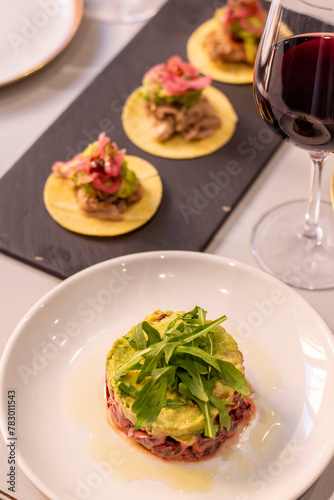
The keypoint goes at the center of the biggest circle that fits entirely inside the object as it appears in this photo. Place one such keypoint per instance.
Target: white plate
(33, 32)
(54, 362)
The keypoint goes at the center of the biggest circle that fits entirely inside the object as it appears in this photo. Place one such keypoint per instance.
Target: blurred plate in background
(33, 33)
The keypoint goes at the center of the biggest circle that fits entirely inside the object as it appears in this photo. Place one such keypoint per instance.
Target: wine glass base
(281, 249)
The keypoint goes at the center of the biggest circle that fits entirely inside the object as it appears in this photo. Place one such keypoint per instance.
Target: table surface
(30, 106)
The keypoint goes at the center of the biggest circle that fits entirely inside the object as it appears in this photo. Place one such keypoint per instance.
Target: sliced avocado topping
(154, 93)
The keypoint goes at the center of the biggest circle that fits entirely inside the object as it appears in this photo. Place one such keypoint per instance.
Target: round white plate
(33, 32)
(54, 362)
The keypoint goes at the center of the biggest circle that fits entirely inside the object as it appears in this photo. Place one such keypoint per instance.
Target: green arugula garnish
(181, 360)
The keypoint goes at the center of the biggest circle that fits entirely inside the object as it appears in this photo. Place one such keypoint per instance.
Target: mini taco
(102, 191)
(226, 45)
(177, 114)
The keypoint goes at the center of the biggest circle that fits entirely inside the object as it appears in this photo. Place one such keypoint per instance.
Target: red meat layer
(168, 448)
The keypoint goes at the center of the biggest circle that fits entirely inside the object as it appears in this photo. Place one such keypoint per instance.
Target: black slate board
(191, 209)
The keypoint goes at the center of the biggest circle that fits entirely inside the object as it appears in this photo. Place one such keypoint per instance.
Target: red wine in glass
(297, 101)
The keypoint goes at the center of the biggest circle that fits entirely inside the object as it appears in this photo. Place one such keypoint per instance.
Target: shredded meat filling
(192, 123)
(223, 48)
(109, 207)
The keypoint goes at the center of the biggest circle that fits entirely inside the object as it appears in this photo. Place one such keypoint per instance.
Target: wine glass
(294, 93)
(122, 11)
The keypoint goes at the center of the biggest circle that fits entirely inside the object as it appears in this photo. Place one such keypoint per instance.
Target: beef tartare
(175, 385)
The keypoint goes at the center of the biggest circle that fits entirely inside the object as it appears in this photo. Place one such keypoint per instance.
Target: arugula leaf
(182, 328)
(193, 314)
(137, 338)
(210, 429)
(171, 324)
(168, 350)
(132, 363)
(149, 364)
(198, 353)
(174, 403)
(188, 365)
(209, 385)
(192, 365)
(194, 386)
(209, 343)
(201, 316)
(191, 317)
(142, 393)
(224, 416)
(184, 391)
(154, 401)
(230, 375)
(209, 349)
(128, 389)
(174, 333)
(157, 376)
(201, 330)
(201, 367)
(152, 334)
(152, 360)
(171, 333)
(169, 371)
(152, 396)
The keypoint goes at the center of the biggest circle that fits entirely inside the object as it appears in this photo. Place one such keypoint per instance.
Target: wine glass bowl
(294, 93)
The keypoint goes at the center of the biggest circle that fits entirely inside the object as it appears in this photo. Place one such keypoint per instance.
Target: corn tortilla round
(60, 202)
(137, 126)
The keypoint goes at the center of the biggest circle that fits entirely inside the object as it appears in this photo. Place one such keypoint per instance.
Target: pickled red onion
(240, 11)
(86, 173)
(102, 141)
(88, 178)
(98, 184)
(177, 76)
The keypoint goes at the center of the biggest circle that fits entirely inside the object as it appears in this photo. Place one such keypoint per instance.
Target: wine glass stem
(311, 229)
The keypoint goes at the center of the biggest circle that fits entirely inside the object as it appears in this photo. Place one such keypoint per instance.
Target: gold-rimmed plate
(33, 33)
